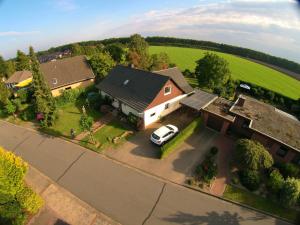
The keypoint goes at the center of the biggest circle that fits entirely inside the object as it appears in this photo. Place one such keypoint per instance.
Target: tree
(252, 155)
(160, 61)
(4, 93)
(290, 192)
(138, 52)
(22, 61)
(15, 197)
(2, 68)
(43, 99)
(101, 64)
(212, 71)
(275, 181)
(76, 49)
(86, 123)
(7, 68)
(117, 52)
(10, 108)
(10, 68)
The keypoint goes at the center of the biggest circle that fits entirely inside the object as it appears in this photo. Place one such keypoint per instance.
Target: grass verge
(181, 137)
(245, 197)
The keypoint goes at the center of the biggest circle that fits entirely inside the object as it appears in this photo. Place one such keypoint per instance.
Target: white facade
(161, 110)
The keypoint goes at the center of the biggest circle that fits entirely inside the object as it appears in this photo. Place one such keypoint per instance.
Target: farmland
(242, 69)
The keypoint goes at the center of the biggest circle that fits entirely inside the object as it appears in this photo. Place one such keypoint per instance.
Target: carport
(199, 100)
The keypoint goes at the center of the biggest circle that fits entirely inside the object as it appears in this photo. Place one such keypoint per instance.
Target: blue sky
(272, 26)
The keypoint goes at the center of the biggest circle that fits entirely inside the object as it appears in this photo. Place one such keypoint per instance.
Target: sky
(271, 26)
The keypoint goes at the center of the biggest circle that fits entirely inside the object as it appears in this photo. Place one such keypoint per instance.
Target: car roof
(162, 131)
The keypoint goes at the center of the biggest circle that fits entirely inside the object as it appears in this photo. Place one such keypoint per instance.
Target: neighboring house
(67, 74)
(147, 95)
(278, 131)
(19, 79)
(54, 56)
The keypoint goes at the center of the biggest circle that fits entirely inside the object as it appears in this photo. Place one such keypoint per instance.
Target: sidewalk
(61, 207)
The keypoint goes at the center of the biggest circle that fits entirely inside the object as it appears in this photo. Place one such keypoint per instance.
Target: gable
(161, 97)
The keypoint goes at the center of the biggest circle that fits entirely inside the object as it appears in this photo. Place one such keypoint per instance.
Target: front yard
(248, 198)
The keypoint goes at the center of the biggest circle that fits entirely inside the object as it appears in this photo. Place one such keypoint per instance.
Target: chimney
(241, 101)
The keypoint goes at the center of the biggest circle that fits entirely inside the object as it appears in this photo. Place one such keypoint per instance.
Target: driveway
(120, 192)
(140, 153)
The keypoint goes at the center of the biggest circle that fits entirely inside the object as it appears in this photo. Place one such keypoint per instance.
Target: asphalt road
(124, 194)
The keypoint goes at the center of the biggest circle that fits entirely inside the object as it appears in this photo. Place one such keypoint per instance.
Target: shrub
(133, 119)
(290, 191)
(29, 200)
(10, 108)
(252, 155)
(24, 95)
(275, 182)
(95, 100)
(181, 137)
(18, 104)
(69, 96)
(250, 179)
(288, 169)
(28, 114)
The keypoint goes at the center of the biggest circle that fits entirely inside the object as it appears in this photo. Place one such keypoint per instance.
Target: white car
(163, 134)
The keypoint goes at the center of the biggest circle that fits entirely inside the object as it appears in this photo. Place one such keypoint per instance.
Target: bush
(290, 191)
(69, 96)
(181, 137)
(24, 95)
(288, 169)
(10, 108)
(95, 100)
(133, 119)
(28, 114)
(250, 179)
(18, 104)
(29, 200)
(252, 155)
(275, 182)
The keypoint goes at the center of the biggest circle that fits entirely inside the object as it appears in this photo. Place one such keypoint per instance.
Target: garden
(261, 183)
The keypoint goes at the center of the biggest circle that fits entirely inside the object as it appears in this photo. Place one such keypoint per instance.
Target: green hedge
(181, 137)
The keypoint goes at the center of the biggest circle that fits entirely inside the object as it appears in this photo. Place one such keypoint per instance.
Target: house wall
(160, 111)
(57, 91)
(127, 109)
(161, 97)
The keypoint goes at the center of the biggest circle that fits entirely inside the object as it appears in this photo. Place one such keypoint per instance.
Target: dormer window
(168, 90)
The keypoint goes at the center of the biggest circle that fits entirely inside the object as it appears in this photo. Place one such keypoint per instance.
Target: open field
(242, 69)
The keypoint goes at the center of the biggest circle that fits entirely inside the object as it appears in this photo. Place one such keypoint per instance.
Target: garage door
(214, 122)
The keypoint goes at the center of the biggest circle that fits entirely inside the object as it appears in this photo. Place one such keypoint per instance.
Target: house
(68, 73)
(54, 56)
(147, 95)
(247, 117)
(19, 79)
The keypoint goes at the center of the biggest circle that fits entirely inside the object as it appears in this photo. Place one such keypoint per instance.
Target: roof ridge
(175, 67)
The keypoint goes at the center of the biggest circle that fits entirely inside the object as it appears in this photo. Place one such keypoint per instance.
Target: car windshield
(169, 127)
(156, 137)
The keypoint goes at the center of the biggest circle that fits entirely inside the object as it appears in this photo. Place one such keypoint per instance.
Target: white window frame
(167, 93)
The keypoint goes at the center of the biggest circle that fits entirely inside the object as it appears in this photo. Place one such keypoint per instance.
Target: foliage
(138, 52)
(15, 198)
(252, 155)
(43, 99)
(76, 49)
(28, 114)
(69, 96)
(250, 179)
(22, 61)
(180, 138)
(288, 169)
(95, 100)
(17, 103)
(133, 119)
(265, 204)
(212, 71)
(159, 61)
(4, 93)
(10, 108)
(275, 182)
(24, 95)
(86, 122)
(290, 191)
(208, 169)
(101, 64)
(117, 52)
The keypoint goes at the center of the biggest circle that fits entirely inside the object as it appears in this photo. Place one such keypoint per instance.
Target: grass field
(241, 69)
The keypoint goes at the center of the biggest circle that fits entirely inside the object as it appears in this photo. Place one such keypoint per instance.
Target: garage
(214, 122)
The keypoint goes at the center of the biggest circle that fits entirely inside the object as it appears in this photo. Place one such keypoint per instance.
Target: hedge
(181, 137)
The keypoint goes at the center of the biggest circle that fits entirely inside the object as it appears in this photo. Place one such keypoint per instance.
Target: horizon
(242, 23)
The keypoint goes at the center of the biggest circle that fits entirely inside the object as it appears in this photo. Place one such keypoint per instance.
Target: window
(168, 90)
(282, 151)
(167, 105)
(153, 114)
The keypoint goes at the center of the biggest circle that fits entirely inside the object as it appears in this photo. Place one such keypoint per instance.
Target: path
(125, 195)
(225, 146)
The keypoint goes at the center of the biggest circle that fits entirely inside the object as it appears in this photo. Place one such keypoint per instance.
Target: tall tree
(44, 101)
(101, 64)
(212, 71)
(4, 93)
(117, 52)
(138, 53)
(160, 61)
(76, 49)
(22, 61)
(10, 68)
(3, 67)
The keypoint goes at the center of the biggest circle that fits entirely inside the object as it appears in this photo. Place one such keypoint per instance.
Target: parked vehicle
(163, 134)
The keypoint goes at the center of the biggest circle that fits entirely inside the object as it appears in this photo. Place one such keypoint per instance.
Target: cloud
(66, 5)
(17, 33)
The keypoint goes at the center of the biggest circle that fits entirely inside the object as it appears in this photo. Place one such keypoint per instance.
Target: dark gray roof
(176, 75)
(199, 99)
(134, 87)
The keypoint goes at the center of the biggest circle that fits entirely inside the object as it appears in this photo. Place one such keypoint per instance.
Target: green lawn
(105, 135)
(255, 201)
(241, 69)
(68, 118)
